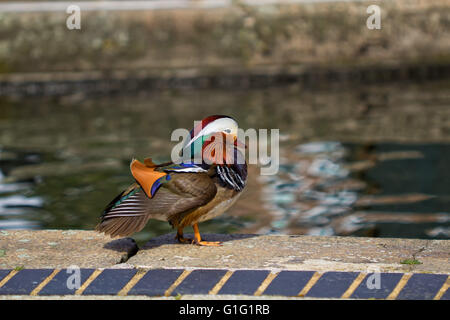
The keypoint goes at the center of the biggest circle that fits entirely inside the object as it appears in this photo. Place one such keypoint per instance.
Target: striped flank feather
(230, 178)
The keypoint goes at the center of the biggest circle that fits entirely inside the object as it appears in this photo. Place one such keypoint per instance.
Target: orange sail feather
(145, 176)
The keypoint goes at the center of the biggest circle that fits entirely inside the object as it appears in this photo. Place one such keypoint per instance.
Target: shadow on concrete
(127, 245)
(170, 239)
(120, 245)
(130, 246)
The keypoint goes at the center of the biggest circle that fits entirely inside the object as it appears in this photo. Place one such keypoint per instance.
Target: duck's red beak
(239, 144)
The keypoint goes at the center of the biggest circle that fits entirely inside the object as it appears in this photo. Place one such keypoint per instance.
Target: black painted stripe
(288, 283)
(110, 281)
(199, 282)
(422, 286)
(25, 281)
(64, 283)
(446, 295)
(244, 282)
(155, 282)
(332, 284)
(377, 285)
(4, 273)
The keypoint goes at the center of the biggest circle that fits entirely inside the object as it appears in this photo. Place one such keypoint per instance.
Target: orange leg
(182, 239)
(198, 238)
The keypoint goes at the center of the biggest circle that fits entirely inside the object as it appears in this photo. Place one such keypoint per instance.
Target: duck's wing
(176, 192)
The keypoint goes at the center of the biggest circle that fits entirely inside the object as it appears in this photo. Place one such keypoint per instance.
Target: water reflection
(299, 194)
(327, 192)
(14, 204)
(62, 160)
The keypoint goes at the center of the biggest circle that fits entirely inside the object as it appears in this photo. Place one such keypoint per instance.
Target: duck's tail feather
(122, 226)
(125, 214)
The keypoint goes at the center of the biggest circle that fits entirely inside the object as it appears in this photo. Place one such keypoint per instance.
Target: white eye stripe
(215, 126)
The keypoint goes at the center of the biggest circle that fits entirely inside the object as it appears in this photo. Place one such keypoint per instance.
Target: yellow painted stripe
(310, 284)
(399, 287)
(177, 282)
(91, 278)
(221, 282)
(44, 282)
(8, 277)
(443, 289)
(138, 276)
(265, 283)
(354, 285)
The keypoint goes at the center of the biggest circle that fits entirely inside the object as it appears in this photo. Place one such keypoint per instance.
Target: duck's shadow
(127, 244)
(170, 239)
(121, 245)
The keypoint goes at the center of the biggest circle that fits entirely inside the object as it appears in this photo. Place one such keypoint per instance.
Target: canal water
(354, 161)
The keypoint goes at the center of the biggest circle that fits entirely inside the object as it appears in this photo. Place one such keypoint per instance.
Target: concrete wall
(240, 37)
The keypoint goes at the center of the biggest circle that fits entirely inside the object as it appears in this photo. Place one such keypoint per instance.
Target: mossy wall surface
(279, 36)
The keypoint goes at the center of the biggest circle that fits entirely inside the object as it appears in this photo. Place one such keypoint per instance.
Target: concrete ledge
(246, 266)
(291, 252)
(89, 249)
(61, 249)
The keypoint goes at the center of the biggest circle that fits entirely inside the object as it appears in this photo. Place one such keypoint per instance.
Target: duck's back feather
(129, 212)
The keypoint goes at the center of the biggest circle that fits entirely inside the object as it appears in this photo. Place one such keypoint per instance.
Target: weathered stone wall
(326, 35)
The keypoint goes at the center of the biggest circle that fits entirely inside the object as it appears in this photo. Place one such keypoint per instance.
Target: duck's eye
(227, 130)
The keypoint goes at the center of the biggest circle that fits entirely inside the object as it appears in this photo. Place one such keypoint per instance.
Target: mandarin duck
(186, 192)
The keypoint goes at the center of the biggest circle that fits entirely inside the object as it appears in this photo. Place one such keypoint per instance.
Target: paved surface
(291, 252)
(34, 264)
(61, 249)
